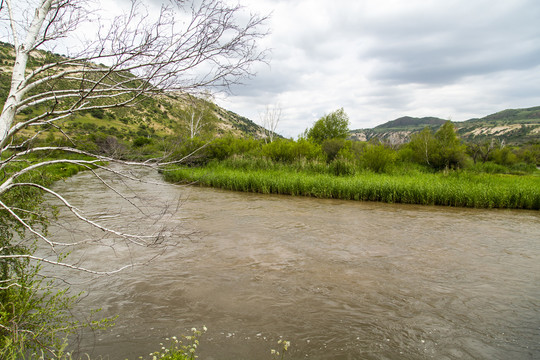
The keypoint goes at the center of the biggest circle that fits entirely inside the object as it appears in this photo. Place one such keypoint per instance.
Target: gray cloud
(381, 59)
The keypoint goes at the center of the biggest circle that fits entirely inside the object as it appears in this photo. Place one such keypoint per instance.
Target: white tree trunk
(18, 79)
(145, 56)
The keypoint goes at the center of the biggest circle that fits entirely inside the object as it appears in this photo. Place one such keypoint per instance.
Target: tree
(270, 120)
(481, 150)
(199, 114)
(423, 145)
(183, 48)
(450, 152)
(331, 126)
(440, 150)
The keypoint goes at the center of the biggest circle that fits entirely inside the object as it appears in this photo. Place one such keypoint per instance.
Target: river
(339, 279)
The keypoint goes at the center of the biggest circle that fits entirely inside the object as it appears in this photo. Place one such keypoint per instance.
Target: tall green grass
(452, 189)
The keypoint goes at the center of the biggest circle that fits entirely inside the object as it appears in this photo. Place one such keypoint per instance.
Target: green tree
(331, 126)
(450, 153)
(440, 150)
(504, 156)
(423, 146)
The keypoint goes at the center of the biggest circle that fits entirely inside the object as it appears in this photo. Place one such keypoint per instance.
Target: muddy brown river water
(339, 279)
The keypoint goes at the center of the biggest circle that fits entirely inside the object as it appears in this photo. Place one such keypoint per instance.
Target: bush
(97, 113)
(33, 316)
(331, 148)
(315, 166)
(341, 166)
(141, 141)
(489, 167)
(504, 156)
(222, 148)
(378, 158)
(441, 150)
(522, 168)
(248, 163)
(288, 151)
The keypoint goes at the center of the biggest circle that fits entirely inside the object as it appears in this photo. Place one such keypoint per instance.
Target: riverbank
(460, 189)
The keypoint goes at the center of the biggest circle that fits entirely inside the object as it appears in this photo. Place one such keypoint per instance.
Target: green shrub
(222, 148)
(141, 141)
(289, 151)
(341, 166)
(522, 168)
(315, 166)
(97, 113)
(489, 167)
(378, 158)
(331, 148)
(504, 156)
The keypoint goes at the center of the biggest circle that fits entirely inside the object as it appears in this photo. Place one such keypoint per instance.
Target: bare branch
(206, 47)
(67, 265)
(28, 227)
(270, 120)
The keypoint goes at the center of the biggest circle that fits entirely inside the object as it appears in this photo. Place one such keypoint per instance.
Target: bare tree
(270, 120)
(481, 150)
(186, 48)
(199, 114)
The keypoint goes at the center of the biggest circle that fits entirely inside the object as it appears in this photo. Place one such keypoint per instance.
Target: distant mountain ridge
(407, 121)
(514, 126)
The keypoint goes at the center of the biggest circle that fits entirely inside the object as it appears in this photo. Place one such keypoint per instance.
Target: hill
(163, 115)
(513, 126)
(411, 123)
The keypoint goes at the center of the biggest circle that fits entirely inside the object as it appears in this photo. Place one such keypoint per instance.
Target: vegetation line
(450, 189)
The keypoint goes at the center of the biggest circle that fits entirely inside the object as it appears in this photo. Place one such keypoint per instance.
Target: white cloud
(381, 59)
(384, 59)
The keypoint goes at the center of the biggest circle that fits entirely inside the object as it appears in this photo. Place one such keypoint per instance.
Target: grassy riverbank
(455, 188)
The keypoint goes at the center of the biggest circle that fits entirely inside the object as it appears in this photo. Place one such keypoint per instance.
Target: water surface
(339, 279)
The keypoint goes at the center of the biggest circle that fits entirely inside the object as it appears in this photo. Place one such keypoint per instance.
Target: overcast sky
(382, 59)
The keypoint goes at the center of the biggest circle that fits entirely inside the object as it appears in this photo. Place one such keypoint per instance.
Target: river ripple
(339, 279)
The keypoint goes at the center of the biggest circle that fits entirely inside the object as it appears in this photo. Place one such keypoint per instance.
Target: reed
(452, 189)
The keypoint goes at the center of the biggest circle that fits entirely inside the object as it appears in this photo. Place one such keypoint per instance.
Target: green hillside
(411, 123)
(513, 126)
(165, 115)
